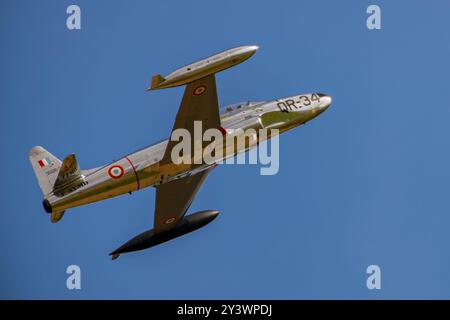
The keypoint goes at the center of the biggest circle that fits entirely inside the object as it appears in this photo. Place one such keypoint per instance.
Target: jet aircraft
(65, 185)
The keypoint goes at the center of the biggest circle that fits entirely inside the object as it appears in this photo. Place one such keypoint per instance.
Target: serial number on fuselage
(302, 101)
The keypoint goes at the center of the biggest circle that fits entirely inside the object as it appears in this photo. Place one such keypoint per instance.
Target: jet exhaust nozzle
(150, 238)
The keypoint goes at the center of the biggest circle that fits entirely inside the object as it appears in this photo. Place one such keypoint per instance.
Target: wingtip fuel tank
(151, 238)
(203, 68)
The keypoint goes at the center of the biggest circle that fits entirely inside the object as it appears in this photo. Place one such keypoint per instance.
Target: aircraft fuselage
(144, 168)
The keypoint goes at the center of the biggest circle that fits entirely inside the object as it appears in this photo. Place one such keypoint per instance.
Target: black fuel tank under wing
(173, 199)
(151, 238)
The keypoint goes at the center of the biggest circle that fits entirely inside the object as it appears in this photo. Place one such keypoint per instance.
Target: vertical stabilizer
(46, 167)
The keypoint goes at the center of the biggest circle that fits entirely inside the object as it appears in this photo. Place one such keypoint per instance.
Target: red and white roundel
(170, 220)
(199, 90)
(116, 172)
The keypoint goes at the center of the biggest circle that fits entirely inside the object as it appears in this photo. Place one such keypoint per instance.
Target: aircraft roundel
(170, 220)
(199, 90)
(116, 172)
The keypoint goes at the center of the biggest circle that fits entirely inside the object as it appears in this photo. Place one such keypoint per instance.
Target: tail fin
(156, 81)
(46, 167)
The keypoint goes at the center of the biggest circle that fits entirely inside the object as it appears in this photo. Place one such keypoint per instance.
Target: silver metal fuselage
(143, 168)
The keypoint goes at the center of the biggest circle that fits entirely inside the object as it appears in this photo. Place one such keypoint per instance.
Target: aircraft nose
(325, 101)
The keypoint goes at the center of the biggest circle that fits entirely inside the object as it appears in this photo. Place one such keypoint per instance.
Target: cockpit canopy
(236, 107)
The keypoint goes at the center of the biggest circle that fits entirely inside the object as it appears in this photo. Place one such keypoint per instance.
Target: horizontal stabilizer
(56, 216)
(69, 177)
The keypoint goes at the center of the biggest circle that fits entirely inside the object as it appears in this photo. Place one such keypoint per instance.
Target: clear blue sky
(365, 183)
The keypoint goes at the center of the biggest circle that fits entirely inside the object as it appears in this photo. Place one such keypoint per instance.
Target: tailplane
(69, 177)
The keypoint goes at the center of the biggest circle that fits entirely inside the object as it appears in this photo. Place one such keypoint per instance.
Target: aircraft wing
(174, 198)
(199, 103)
